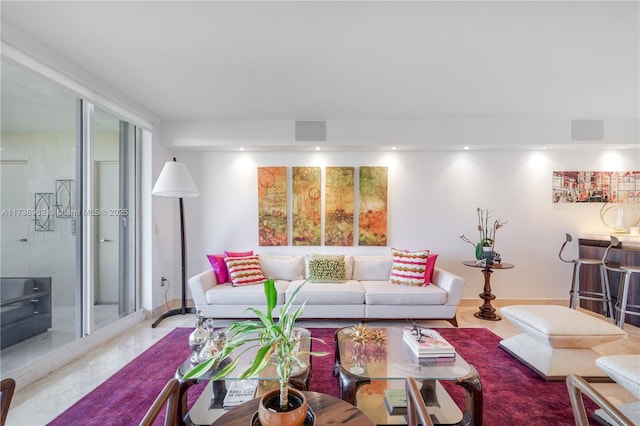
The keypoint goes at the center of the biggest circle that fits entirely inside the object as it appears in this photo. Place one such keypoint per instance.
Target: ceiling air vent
(587, 130)
(311, 131)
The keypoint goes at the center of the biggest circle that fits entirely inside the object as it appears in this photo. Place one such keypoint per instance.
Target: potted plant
(485, 248)
(277, 344)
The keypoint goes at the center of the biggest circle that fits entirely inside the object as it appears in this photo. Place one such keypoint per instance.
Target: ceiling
(351, 60)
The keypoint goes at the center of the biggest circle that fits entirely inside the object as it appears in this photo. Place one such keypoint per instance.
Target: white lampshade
(175, 181)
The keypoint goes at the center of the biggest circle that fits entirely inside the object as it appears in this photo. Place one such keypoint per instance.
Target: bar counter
(593, 246)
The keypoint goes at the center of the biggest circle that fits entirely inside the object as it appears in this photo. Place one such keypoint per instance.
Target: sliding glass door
(39, 232)
(69, 173)
(113, 233)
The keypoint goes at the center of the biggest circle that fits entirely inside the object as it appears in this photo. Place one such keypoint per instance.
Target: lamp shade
(175, 181)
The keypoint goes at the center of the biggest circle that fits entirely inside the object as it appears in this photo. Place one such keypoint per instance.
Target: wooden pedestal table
(487, 312)
(327, 410)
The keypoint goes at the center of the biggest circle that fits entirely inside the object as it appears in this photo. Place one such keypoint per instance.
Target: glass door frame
(129, 229)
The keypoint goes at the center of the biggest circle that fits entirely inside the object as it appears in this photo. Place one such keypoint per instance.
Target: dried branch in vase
(487, 231)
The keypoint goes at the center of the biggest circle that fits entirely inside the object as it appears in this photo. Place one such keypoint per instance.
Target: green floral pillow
(327, 268)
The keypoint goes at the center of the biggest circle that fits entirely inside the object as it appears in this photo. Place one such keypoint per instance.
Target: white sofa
(366, 294)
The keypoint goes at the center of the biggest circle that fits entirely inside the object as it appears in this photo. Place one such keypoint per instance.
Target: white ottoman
(625, 371)
(557, 341)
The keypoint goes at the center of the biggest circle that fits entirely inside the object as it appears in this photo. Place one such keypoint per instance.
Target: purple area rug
(513, 395)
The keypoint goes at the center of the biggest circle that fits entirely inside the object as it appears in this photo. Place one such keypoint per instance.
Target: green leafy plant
(486, 230)
(276, 341)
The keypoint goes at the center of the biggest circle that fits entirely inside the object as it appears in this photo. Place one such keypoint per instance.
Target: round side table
(487, 312)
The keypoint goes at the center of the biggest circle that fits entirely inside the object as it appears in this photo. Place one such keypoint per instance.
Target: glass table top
(247, 357)
(393, 360)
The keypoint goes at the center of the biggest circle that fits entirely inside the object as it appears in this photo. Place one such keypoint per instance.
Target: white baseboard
(171, 304)
(507, 302)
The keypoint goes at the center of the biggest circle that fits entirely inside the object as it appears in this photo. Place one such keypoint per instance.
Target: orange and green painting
(372, 217)
(272, 206)
(306, 214)
(339, 206)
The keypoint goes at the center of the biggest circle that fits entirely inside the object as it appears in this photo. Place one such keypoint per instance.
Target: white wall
(165, 247)
(433, 196)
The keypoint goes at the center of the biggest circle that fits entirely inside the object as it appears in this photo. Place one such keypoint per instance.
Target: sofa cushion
(429, 268)
(385, 293)
(248, 295)
(348, 264)
(219, 267)
(371, 268)
(238, 253)
(324, 268)
(282, 267)
(245, 270)
(347, 293)
(408, 267)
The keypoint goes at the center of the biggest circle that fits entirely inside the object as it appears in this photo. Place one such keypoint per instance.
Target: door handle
(23, 240)
(104, 240)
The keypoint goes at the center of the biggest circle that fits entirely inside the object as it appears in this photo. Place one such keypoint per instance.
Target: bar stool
(622, 303)
(576, 294)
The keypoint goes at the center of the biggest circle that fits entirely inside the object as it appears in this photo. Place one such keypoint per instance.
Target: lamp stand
(183, 308)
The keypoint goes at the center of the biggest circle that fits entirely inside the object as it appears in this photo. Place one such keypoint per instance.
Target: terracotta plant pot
(294, 417)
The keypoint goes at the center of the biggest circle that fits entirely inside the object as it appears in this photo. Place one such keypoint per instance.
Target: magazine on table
(396, 401)
(431, 343)
(239, 392)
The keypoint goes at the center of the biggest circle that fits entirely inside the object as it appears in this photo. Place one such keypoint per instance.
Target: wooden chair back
(417, 412)
(169, 396)
(7, 387)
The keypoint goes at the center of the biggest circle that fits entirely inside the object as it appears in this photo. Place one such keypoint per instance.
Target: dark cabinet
(25, 308)
(590, 276)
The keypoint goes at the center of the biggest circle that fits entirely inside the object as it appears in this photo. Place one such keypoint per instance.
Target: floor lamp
(175, 181)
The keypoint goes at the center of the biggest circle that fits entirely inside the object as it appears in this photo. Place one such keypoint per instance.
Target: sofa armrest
(451, 283)
(200, 284)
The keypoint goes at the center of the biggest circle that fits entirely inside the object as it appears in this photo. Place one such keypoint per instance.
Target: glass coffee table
(388, 365)
(208, 407)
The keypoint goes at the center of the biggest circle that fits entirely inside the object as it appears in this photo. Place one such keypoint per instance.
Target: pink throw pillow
(431, 265)
(238, 253)
(219, 267)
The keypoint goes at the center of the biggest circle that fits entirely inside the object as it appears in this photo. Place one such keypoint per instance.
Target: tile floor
(42, 401)
(61, 333)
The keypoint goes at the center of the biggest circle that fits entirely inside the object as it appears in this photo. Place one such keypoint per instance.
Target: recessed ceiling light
(317, 148)
(394, 148)
(242, 148)
(544, 147)
(466, 148)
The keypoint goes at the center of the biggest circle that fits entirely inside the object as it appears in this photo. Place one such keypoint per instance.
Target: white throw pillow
(287, 268)
(371, 268)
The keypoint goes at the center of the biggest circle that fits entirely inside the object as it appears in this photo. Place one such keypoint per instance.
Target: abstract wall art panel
(306, 215)
(272, 206)
(596, 187)
(372, 217)
(339, 206)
